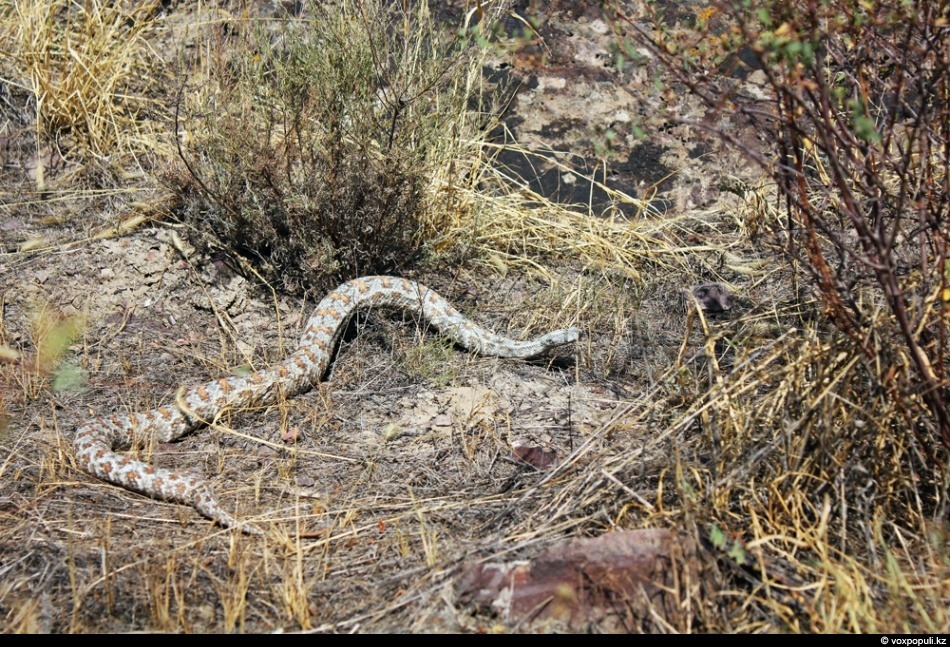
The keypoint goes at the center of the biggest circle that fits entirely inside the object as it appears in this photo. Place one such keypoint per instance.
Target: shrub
(856, 126)
(823, 451)
(327, 148)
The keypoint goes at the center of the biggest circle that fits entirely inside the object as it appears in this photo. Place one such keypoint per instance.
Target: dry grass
(85, 68)
(760, 437)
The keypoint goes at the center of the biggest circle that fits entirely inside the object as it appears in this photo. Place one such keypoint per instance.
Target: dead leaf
(291, 435)
(534, 455)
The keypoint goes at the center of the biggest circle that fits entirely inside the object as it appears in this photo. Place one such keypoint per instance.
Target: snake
(96, 443)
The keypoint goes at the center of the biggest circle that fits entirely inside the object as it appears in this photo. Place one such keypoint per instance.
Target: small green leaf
(68, 377)
(717, 537)
(737, 553)
(862, 124)
(244, 370)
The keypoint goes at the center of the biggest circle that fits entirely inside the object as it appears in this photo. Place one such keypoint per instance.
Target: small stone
(713, 297)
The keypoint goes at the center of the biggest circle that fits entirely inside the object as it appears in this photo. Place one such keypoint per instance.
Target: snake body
(95, 442)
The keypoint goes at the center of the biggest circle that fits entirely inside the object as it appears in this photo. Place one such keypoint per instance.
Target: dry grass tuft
(86, 68)
(511, 226)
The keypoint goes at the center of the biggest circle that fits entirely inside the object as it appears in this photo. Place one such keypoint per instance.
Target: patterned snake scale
(95, 442)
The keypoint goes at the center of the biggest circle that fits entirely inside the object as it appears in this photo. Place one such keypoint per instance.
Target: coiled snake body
(96, 441)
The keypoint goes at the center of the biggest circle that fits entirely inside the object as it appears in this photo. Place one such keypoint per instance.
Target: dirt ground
(377, 487)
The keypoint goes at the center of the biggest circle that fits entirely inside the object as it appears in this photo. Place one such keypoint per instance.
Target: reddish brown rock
(613, 579)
